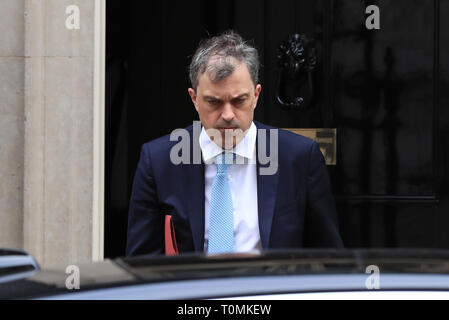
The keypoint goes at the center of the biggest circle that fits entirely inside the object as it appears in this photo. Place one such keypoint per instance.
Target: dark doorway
(383, 90)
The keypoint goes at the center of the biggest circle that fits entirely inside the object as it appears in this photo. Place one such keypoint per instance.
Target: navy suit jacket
(296, 208)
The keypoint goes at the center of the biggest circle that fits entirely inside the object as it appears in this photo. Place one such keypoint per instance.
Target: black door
(384, 89)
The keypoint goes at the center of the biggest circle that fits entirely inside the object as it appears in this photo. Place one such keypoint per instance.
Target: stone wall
(12, 64)
(50, 105)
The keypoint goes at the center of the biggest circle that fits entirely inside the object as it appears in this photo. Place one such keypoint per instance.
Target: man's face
(227, 104)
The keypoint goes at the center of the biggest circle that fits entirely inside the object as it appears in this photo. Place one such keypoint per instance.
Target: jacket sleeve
(145, 221)
(321, 223)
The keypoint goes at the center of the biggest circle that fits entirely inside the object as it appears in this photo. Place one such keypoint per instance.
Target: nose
(228, 113)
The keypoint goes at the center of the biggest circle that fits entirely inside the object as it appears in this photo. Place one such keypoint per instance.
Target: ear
(193, 96)
(256, 94)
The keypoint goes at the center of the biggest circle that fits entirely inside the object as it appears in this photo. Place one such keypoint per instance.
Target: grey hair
(214, 56)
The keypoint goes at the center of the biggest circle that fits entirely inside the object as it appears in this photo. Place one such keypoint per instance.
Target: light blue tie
(221, 223)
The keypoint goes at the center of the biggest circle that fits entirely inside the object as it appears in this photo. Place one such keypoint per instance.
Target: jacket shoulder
(295, 138)
(161, 144)
(288, 138)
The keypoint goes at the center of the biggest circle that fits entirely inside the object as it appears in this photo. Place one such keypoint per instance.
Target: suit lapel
(266, 192)
(195, 200)
(194, 196)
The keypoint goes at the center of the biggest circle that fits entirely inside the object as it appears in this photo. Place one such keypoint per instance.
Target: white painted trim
(99, 131)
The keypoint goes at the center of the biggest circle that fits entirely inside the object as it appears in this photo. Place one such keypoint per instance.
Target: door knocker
(296, 60)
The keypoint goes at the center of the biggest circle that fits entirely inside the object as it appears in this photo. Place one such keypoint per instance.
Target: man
(225, 203)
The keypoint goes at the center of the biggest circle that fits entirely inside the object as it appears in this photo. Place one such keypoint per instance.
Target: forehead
(238, 82)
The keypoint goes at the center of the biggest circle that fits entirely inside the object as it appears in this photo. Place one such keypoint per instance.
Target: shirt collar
(244, 149)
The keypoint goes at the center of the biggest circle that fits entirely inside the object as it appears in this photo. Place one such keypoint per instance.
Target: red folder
(171, 247)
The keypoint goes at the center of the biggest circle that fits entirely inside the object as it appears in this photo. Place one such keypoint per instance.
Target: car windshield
(198, 276)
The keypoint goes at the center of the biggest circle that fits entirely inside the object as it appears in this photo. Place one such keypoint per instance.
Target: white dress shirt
(242, 177)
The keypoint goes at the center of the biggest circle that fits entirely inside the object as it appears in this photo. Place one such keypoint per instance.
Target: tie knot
(223, 161)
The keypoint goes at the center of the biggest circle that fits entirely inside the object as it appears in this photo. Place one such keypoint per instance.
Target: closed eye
(238, 101)
(213, 101)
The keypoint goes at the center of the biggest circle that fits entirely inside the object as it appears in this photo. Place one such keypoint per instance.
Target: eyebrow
(243, 95)
(210, 98)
